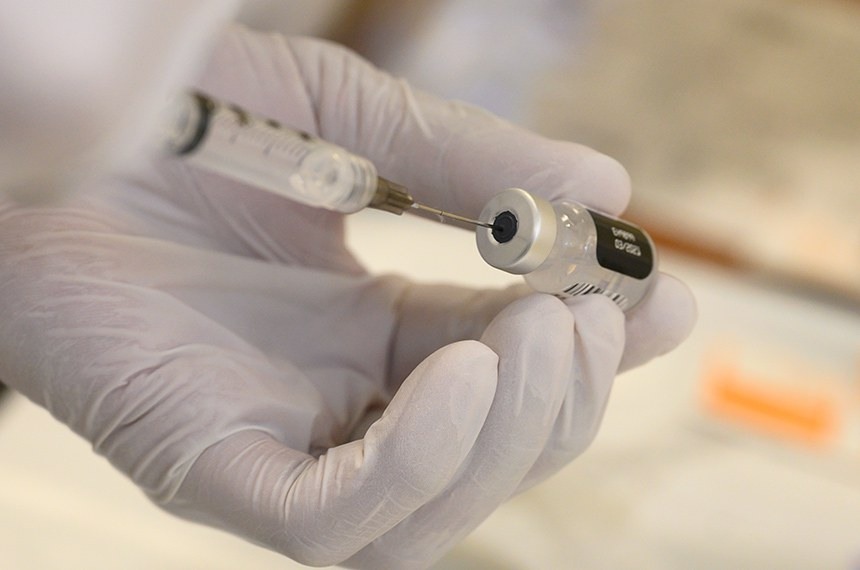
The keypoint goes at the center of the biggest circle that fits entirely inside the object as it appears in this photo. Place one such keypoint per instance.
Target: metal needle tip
(449, 215)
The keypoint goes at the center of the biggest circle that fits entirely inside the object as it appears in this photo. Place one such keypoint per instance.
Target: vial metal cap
(533, 233)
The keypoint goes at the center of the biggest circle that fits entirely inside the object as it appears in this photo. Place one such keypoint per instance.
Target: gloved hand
(224, 349)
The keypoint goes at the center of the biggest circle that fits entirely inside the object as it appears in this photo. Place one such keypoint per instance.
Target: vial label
(622, 248)
(588, 289)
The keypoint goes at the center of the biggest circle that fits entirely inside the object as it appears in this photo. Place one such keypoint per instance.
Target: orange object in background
(798, 413)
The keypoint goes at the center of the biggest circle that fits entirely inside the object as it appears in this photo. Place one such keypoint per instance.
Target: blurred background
(739, 122)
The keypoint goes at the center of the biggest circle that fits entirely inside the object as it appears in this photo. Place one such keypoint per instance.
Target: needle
(449, 215)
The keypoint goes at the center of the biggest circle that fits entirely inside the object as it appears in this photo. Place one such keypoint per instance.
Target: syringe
(230, 141)
(563, 249)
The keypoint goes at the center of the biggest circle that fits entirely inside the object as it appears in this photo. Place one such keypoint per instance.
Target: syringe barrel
(234, 143)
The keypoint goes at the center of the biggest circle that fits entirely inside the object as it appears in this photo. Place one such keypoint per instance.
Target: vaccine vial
(566, 249)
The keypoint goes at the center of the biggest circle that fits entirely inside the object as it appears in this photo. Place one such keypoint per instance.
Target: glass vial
(566, 249)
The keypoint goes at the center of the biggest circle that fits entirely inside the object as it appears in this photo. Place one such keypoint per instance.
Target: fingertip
(671, 305)
(538, 324)
(438, 413)
(598, 316)
(534, 338)
(610, 181)
(467, 372)
(594, 179)
(663, 320)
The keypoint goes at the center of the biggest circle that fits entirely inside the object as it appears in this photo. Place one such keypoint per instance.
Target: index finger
(449, 154)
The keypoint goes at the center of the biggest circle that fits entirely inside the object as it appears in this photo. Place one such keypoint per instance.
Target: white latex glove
(82, 80)
(221, 346)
